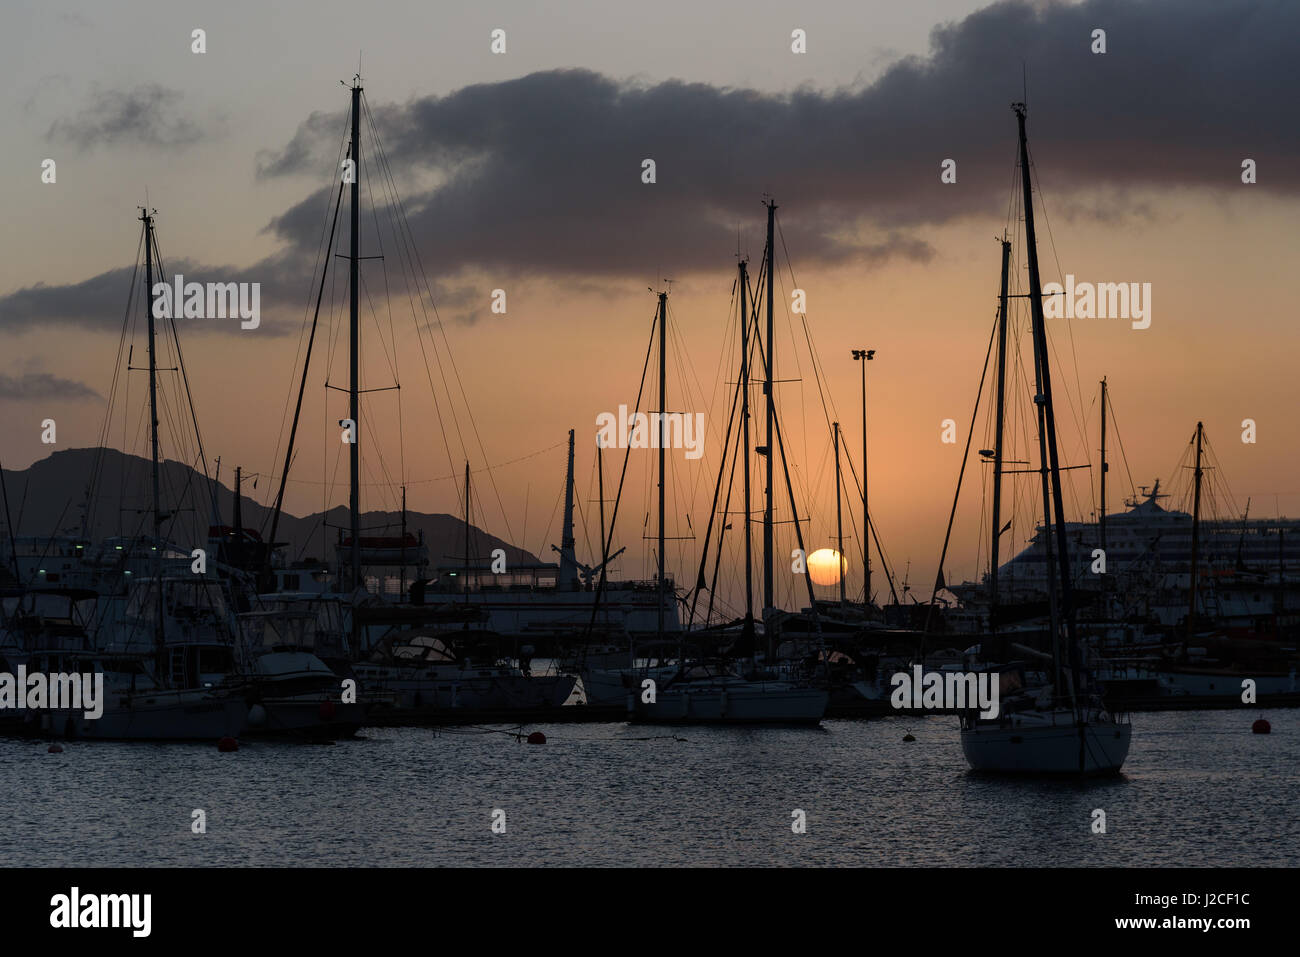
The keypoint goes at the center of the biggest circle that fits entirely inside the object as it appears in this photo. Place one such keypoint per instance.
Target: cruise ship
(1248, 568)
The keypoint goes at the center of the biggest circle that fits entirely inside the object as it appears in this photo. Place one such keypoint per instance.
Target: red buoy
(1261, 727)
(227, 744)
(326, 710)
(537, 738)
(55, 749)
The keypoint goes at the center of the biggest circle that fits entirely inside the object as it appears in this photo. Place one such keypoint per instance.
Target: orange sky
(561, 356)
(1220, 348)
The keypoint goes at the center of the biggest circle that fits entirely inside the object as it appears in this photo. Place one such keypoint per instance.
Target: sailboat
(161, 693)
(425, 644)
(722, 690)
(450, 661)
(1062, 727)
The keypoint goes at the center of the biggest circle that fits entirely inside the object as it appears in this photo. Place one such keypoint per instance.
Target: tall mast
(354, 405)
(1044, 472)
(866, 514)
(663, 434)
(995, 558)
(768, 601)
(239, 518)
(600, 490)
(839, 523)
(568, 557)
(216, 484)
(159, 645)
(864, 356)
(153, 374)
(1196, 532)
(467, 517)
(238, 511)
(1047, 418)
(1105, 467)
(744, 418)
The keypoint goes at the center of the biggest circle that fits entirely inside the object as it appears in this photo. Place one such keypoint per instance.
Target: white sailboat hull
(610, 687)
(745, 703)
(1033, 747)
(154, 716)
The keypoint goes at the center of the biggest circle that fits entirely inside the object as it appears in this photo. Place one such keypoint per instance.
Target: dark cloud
(146, 115)
(42, 385)
(84, 303)
(299, 153)
(100, 303)
(541, 176)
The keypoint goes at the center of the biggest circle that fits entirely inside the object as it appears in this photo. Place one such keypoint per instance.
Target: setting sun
(826, 565)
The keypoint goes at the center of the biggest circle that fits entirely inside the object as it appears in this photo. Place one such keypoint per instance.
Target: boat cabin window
(479, 578)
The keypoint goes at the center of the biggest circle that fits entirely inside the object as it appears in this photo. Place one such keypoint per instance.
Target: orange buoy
(55, 749)
(1261, 727)
(326, 710)
(537, 738)
(227, 744)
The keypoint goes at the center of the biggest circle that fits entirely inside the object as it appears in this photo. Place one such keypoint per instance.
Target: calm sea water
(1198, 790)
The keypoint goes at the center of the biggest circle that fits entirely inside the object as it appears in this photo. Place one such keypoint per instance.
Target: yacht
(716, 694)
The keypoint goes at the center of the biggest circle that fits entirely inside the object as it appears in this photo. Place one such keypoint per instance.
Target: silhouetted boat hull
(739, 702)
(167, 715)
(1049, 743)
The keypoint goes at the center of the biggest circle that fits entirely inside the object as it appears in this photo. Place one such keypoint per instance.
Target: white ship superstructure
(1249, 569)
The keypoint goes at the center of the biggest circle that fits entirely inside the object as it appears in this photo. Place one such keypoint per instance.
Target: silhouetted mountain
(50, 497)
